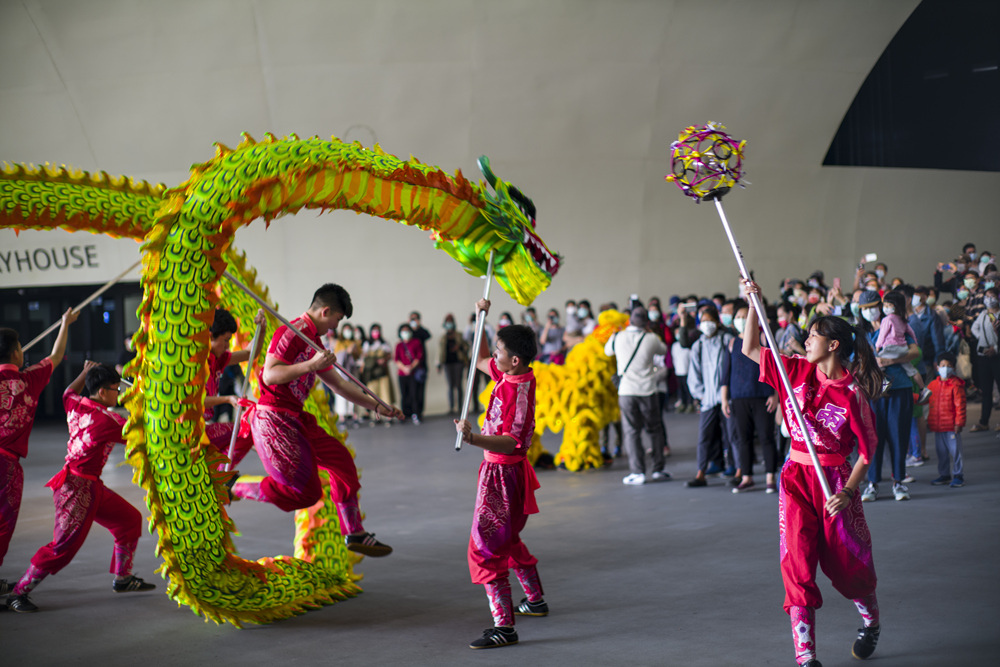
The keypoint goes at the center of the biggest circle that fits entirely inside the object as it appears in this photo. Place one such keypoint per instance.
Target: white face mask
(504, 322)
(915, 301)
(991, 302)
(870, 314)
(962, 294)
(944, 372)
(571, 310)
(931, 300)
(347, 334)
(708, 328)
(888, 310)
(415, 324)
(972, 256)
(582, 313)
(654, 315)
(740, 323)
(405, 336)
(880, 273)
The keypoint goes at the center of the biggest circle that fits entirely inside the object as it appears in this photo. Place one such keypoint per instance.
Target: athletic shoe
(416, 420)
(5, 587)
(958, 482)
(864, 645)
(21, 604)
(735, 481)
(812, 663)
(925, 396)
(131, 584)
(661, 476)
(914, 461)
(772, 488)
(495, 638)
(870, 494)
(909, 479)
(977, 428)
(697, 481)
(900, 492)
(942, 480)
(634, 479)
(527, 608)
(367, 545)
(713, 469)
(744, 486)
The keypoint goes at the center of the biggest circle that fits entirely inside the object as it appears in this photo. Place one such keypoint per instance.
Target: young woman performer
(833, 391)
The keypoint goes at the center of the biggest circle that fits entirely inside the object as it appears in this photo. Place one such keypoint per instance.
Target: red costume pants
(11, 488)
(841, 545)
(79, 503)
(220, 434)
(293, 448)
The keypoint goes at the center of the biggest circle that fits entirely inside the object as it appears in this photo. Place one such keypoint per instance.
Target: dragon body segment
(186, 234)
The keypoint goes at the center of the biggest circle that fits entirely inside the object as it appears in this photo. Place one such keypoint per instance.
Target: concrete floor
(649, 575)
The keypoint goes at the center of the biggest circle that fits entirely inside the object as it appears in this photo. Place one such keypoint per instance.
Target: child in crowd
(219, 357)
(833, 383)
(19, 392)
(891, 342)
(79, 494)
(291, 445)
(507, 483)
(945, 420)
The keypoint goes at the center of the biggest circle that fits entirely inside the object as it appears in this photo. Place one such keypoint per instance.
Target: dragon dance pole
(273, 313)
(476, 342)
(79, 306)
(258, 339)
(762, 320)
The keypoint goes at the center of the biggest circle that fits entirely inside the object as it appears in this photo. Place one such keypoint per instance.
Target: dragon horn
(484, 167)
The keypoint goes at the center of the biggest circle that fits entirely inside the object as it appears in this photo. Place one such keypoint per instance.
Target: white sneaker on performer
(634, 479)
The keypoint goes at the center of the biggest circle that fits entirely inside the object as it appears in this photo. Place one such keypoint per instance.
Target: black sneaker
(21, 604)
(697, 481)
(812, 663)
(133, 583)
(864, 645)
(532, 608)
(495, 638)
(367, 545)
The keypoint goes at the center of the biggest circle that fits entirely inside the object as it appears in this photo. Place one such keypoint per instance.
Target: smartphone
(948, 267)
(836, 283)
(871, 257)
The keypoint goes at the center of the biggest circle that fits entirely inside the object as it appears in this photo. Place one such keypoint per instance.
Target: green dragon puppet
(186, 234)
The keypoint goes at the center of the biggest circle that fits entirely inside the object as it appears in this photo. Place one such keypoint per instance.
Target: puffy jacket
(946, 411)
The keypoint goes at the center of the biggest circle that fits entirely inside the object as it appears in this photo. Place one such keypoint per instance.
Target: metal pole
(79, 306)
(785, 381)
(476, 341)
(309, 341)
(255, 343)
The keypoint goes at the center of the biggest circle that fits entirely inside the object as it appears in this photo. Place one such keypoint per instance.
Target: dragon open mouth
(543, 258)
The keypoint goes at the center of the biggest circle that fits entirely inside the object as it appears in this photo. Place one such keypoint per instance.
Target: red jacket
(946, 411)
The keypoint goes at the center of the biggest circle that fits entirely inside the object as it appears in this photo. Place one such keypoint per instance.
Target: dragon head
(522, 264)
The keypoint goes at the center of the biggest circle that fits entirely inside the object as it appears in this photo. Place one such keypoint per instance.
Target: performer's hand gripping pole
(76, 309)
(273, 313)
(476, 342)
(255, 343)
(785, 381)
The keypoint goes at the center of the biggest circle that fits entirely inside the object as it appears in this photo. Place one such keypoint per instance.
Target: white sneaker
(634, 480)
(660, 476)
(909, 479)
(914, 462)
(870, 494)
(900, 492)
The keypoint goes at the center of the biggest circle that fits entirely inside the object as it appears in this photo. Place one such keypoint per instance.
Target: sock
(121, 558)
(350, 518)
(868, 608)
(28, 582)
(498, 593)
(530, 583)
(803, 633)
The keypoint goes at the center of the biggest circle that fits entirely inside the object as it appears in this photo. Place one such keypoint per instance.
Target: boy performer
(291, 445)
(507, 483)
(79, 494)
(19, 392)
(219, 357)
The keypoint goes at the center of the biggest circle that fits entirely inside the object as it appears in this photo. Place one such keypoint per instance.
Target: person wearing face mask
(790, 337)
(957, 268)
(453, 358)
(506, 319)
(529, 318)
(726, 314)
(985, 332)
(348, 352)
(893, 410)
(749, 404)
(585, 324)
(705, 383)
(551, 340)
(926, 324)
(945, 419)
(421, 335)
(377, 354)
(409, 354)
(892, 339)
